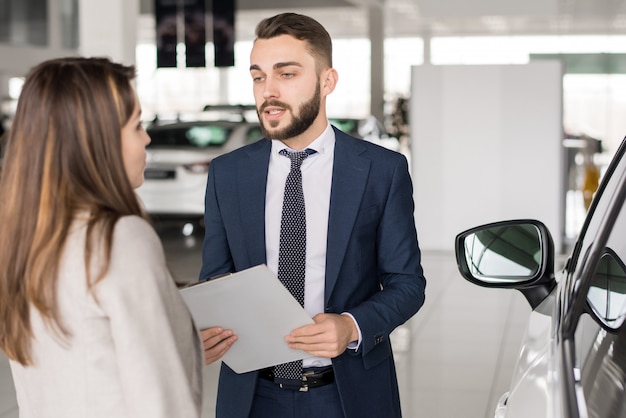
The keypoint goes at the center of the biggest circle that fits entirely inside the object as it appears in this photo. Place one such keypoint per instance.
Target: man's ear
(329, 80)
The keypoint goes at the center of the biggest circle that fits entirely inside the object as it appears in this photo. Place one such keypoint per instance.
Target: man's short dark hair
(303, 28)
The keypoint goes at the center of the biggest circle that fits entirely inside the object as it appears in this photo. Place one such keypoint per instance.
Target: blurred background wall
(377, 44)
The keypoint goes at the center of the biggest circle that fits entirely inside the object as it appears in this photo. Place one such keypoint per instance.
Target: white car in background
(178, 159)
(180, 152)
(572, 363)
(368, 128)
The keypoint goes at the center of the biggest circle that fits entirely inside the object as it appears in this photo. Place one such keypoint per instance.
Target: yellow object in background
(591, 180)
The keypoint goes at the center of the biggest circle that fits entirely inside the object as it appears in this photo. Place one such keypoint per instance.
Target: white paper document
(259, 310)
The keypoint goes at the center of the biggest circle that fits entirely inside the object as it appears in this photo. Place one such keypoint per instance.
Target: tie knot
(297, 157)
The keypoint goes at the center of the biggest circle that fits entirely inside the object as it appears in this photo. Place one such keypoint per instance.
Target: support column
(376, 21)
(6, 104)
(55, 36)
(223, 92)
(4, 87)
(109, 28)
(426, 37)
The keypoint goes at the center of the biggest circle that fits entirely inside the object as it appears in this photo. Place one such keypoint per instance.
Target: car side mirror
(516, 254)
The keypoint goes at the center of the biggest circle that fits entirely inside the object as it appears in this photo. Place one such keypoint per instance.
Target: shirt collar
(322, 144)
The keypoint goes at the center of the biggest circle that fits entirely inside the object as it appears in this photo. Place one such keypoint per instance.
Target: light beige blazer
(133, 352)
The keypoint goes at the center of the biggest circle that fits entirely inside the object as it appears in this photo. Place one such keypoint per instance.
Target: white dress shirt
(317, 172)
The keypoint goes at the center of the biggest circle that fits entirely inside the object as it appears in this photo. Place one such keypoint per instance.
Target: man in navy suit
(363, 269)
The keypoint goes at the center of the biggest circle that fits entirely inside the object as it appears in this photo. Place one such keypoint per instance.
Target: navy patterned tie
(292, 249)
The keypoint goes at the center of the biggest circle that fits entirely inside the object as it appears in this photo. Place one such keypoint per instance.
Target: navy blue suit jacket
(373, 267)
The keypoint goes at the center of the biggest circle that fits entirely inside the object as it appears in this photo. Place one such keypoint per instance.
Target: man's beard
(306, 116)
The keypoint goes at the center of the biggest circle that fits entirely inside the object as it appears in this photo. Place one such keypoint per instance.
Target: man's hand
(216, 342)
(328, 337)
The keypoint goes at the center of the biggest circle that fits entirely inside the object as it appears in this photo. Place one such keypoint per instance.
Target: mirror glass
(504, 254)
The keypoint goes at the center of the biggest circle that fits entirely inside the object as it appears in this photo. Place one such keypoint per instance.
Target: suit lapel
(350, 174)
(252, 182)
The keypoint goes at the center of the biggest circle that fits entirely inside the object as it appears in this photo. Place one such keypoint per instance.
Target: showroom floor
(454, 358)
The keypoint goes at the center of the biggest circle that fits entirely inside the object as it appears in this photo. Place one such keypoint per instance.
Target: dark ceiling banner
(223, 12)
(195, 32)
(165, 12)
(194, 22)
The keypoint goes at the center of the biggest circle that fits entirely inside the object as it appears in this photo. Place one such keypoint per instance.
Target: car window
(607, 293)
(604, 372)
(600, 337)
(201, 136)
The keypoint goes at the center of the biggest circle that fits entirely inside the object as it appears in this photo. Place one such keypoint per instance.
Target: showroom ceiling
(446, 17)
(348, 18)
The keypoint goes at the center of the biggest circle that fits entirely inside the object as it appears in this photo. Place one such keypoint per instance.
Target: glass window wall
(24, 22)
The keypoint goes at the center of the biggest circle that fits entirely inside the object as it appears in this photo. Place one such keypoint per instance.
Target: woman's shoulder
(136, 251)
(135, 235)
(133, 223)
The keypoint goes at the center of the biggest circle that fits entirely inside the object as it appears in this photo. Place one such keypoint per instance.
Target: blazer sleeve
(158, 350)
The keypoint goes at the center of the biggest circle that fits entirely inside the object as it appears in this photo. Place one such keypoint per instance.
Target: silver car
(572, 363)
(178, 160)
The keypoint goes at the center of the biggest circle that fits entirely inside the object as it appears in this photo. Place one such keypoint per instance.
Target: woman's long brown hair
(63, 156)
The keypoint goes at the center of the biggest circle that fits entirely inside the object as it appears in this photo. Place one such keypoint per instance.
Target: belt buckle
(304, 387)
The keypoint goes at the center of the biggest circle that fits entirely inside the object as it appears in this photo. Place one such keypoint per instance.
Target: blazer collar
(252, 178)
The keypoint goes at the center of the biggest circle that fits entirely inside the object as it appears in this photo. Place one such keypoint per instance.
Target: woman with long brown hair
(90, 317)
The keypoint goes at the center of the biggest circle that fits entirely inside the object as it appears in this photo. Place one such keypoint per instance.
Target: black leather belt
(313, 378)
